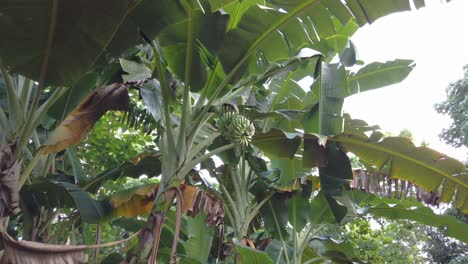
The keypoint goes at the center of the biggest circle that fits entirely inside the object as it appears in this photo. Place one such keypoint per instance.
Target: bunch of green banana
(235, 127)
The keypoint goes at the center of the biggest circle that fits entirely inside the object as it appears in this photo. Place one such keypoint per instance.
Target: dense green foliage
(442, 249)
(456, 107)
(111, 143)
(389, 242)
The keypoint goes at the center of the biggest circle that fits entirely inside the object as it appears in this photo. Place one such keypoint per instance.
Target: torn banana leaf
(80, 122)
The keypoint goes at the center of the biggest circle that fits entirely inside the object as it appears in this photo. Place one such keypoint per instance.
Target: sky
(436, 37)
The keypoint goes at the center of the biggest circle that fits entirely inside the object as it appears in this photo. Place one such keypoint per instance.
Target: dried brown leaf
(140, 200)
(80, 122)
(246, 241)
(383, 185)
(189, 195)
(431, 198)
(17, 252)
(210, 206)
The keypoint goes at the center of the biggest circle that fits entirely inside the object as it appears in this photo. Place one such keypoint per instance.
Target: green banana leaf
(406, 209)
(82, 31)
(422, 166)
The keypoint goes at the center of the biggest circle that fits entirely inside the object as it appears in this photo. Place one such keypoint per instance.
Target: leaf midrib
(416, 213)
(367, 74)
(347, 139)
(284, 19)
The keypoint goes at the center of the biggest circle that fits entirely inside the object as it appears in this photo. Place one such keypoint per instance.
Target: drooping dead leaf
(148, 236)
(78, 124)
(196, 200)
(189, 196)
(9, 181)
(246, 241)
(17, 252)
(209, 205)
(135, 201)
(384, 185)
(431, 198)
(139, 200)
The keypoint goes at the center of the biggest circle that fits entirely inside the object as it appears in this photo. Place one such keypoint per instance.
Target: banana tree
(192, 58)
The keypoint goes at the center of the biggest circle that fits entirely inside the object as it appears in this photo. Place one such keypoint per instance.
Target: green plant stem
(235, 92)
(34, 117)
(13, 101)
(294, 233)
(200, 146)
(27, 130)
(4, 126)
(35, 139)
(283, 242)
(235, 217)
(241, 173)
(191, 136)
(28, 126)
(186, 108)
(41, 111)
(23, 140)
(199, 103)
(249, 178)
(173, 256)
(304, 239)
(165, 100)
(169, 152)
(242, 190)
(231, 220)
(28, 154)
(250, 216)
(237, 192)
(295, 247)
(50, 158)
(25, 175)
(202, 98)
(279, 256)
(199, 121)
(25, 92)
(187, 167)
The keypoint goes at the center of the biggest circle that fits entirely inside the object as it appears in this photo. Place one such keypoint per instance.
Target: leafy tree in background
(456, 106)
(402, 241)
(112, 142)
(442, 249)
(406, 133)
(388, 242)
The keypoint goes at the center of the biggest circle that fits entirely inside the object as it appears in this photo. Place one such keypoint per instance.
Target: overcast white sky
(436, 37)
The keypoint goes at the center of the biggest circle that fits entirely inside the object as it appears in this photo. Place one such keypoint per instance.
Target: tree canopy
(455, 106)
